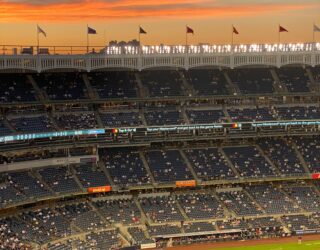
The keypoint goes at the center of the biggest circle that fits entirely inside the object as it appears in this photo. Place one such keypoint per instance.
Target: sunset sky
(65, 20)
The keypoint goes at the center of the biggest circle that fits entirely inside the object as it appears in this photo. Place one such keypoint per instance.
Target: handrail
(16, 49)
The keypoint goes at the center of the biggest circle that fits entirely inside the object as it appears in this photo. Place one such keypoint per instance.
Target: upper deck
(145, 57)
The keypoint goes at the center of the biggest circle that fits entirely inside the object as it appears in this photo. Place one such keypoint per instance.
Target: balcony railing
(159, 49)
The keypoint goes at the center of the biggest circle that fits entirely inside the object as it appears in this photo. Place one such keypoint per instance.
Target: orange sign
(316, 176)
(101, 189)
(189, 183)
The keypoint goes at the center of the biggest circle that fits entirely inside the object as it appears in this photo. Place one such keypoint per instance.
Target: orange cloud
(125, 9)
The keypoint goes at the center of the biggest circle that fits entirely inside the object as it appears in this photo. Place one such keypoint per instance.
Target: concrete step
(185, 158)
(232, 88)
(91, 91)
(277, 85)
(146, 165)
(42, 95)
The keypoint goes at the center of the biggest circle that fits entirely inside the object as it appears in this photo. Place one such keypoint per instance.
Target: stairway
(40, 93)
(144, 218)
(8, 125)
(143, 118)
(146, 165)
(188, 88)
(268, 159)
(183, 213)
(98, 119)
(313, 86)
(255, 202)
(232, 88)
(185, 159)
(235, 171)
(299, 155)
(38, 176)
(143, 91)
(91, 92)
(277, 85)
(75, 177)
(106, 172)
(184, 115)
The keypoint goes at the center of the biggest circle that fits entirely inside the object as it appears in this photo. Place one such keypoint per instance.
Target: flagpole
(279, 34)
(186, 36)
(38, 42)
(104, 37)
(313, 40)
(139, 35)
(87, 39)
(231, 36)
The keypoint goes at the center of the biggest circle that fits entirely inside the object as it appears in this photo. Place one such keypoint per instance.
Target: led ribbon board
(22, 137)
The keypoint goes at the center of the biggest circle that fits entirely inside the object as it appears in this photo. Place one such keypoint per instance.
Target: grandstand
(150, 151)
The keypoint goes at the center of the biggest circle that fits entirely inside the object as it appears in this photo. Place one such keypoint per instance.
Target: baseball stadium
(134, 146)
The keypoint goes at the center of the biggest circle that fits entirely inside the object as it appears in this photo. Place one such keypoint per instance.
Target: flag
(316, 28)
(281, 29)
(92, 31)
(189, 30)
(142, 31)
(235, 30)
(41, 31)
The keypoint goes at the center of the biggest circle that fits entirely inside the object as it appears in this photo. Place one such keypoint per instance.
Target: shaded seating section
(10, 239)
(264, 222)
(15, 228)
(251, 114)
(240, 203)
(205, 116)
(249, 162)
(230, 224)
(199, 227)
(253, 80)
(157, 231)
(32, 124)
(209, 164)
(62, 86)
(90, 221)
(123, 211)
(73, 121)
(168, 166)
(4, 130)
(164, 117)
(200, 206)
(125, 167)
(116, 84)
(282, 155)
(161, 209)
(28, 185)
(8, 193)
(208, 82)
(310, 150)
(295, 79)
(305, 196)
(46, 224)
(301, 222)
(139, 235)
(60, 246)
(81, 216)
(316, 73)
(272, 200)
(16, 88)
(59, 179)
(298, 113)
(90, 175)
(100, 240)
(121, 119)
(162, 83)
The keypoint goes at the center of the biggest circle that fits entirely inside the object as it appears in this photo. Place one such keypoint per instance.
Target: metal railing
(158, 49)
